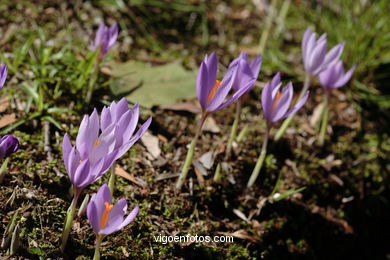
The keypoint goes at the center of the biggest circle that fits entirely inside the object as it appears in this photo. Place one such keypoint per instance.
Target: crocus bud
(315, 57)
(105, 38)
(335, 77)
(8, 145)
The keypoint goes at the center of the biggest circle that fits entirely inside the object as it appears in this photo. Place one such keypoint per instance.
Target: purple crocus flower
(95, 151)
(212, 92)
(245, 76)
(124, 120)
(90, 158)
(315, 57)
(8, 145)
(105, 38)
(334, 76)
(106, 218)
(3, 74)
(276, 103)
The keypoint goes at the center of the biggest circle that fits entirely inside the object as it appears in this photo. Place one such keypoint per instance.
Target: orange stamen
(212, 93)
(97, 142)
(81, 161)
(104, 219)
(278, 96)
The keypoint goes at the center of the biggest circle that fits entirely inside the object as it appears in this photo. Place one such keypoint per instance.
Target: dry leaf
(316, 115)
(120, 172)
(151, 143)
(7, 120)
(4, 102)
(211, 126)
(185, 106)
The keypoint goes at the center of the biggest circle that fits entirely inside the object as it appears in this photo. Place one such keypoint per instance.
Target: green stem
(260, 160)
(325, 119)
(99, 239)
(275, 189)
(92, 82)
(288, 120)
(69, 219)
(3, 169)
(233, 132)
(268, 24)
(190, 154)
(111, 181)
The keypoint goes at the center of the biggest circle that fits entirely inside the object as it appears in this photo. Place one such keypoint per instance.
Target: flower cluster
(101, 141)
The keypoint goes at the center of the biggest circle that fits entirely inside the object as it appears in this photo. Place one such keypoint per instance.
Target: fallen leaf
(241, 215)
(4, 103)
(122, 173)
(199, 176)
(151, 143)
(316, 115)
(211, 126)
(152, 85)
(185, 106)
(207, 160)
(7, 120)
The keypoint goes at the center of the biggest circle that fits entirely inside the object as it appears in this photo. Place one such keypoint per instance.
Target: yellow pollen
(278, 95)
(104, 219)
(97, 142)
(212, 93)
(81, 161)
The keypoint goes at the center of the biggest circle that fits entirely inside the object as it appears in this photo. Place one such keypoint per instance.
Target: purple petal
(3, 74)
(131, 122)
(122, 107)
(202, 85)
(93, 216)
(130, 217)
(317, 58)
(105, 118)
(212, 69)
(103, 195)
(266, 100)
(82, 173)
(99, 35)
(115, 218)
(141, 131)
(308, 50)
(345, 78)
(255, 66)
(275, 80)
(297, 105)
(333, 55)
(66, 149)
(238, 94)
(113, 35)
(283, 103)
(73, 163)
(305, 40)
(221, 92)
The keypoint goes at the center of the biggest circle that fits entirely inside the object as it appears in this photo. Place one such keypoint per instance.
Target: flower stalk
(287, 122)
(111, 181)
(324, 120)
(190, 154)
(260, 160)
(99, 239)
(92, 81)
(233, 132)
(69, 219)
